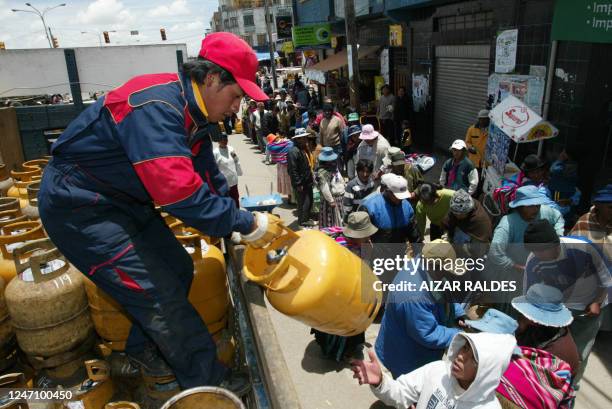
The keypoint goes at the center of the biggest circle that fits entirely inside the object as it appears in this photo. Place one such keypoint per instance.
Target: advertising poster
(384, 64)
(496, 152)
(395, 35)
(583, 20)
(283, 27)
(420, 92)
(505, 51)
(312, 35)
(527, 88)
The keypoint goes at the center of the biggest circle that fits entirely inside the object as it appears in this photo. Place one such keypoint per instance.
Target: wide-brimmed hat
(359, 226)
(603, 195)
(398, 185)
(354, 130)
(543, 304)
(532, 162)
(494, 321)
(396, 156)
(327, 155)
(443, 250)
(368, 133)
(458, 144)
(300, 133)
(483, 113)
(528, 196)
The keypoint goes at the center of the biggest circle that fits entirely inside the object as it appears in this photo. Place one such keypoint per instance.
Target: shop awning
(265, 56)
(340, 59)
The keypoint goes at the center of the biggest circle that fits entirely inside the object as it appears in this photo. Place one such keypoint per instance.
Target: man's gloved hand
(268, 227)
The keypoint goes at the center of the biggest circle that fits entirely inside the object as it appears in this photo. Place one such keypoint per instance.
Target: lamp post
(40, 14)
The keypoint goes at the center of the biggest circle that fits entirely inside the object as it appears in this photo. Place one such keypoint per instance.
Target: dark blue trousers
(125, 248)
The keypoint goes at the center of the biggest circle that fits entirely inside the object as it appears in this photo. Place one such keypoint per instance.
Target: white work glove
(269, 227)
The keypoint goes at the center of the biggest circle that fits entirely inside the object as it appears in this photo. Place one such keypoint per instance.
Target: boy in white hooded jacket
(468, 378)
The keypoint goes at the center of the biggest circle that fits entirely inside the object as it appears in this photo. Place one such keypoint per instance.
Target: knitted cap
(461, 202)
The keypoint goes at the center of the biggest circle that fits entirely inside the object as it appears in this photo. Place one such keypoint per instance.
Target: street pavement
(325, 384)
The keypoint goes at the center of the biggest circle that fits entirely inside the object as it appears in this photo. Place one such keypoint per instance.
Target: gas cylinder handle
(13, 380)
(292, 277)
(122, 404)
(97, 370)
(14, 216)
(47, 253)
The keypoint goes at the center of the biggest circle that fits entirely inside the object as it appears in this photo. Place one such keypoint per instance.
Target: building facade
(447, 58)
(246, 18)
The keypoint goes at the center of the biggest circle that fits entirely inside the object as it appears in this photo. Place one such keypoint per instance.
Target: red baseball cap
(229, 51)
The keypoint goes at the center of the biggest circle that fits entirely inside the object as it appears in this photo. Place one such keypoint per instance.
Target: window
(233, 22)
(248, 20)
(226, 24)
(248, 40)
(466, 21)
(261, 39)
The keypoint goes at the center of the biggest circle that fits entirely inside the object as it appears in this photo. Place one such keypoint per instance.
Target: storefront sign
(395, 35)
(582, 20)
(283, 27)
(312, 35)
(505, 51)
(527, 88)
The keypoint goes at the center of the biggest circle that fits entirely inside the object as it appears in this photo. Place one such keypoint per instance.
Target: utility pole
(270, 43)
(351, 49)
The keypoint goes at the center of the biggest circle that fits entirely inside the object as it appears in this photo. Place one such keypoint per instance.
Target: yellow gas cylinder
(96, 391)
(8, 345)
(12, 381)
(9, 203)
(13, 236)
(12, 215)
(30, 210)
(6, 182)
(209, 292)
(238, 127)
(47, 302)
(19, 182)
(35, 164)
(111, 322)
(310, 277)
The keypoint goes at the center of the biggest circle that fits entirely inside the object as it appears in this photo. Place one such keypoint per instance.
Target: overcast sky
(185, 21)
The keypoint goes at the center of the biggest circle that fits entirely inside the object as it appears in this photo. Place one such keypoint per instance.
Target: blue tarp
(265, 56)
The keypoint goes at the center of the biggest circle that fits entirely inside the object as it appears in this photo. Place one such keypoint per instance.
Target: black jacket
(269, 124)
(403, 108)
(299, 168)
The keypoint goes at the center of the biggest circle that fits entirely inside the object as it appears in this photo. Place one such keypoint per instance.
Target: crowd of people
(363, 189)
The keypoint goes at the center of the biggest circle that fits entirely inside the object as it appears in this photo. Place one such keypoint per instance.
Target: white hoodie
(433, 387)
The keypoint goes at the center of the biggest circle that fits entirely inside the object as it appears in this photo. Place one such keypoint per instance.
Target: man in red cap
(143, 144)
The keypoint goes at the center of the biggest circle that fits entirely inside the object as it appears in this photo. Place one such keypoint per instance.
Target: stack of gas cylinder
(49, 310)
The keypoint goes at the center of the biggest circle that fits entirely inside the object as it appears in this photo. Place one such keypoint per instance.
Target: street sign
(312, 35)
(583, 20)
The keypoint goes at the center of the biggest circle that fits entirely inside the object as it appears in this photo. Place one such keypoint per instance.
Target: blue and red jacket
(148, 141)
